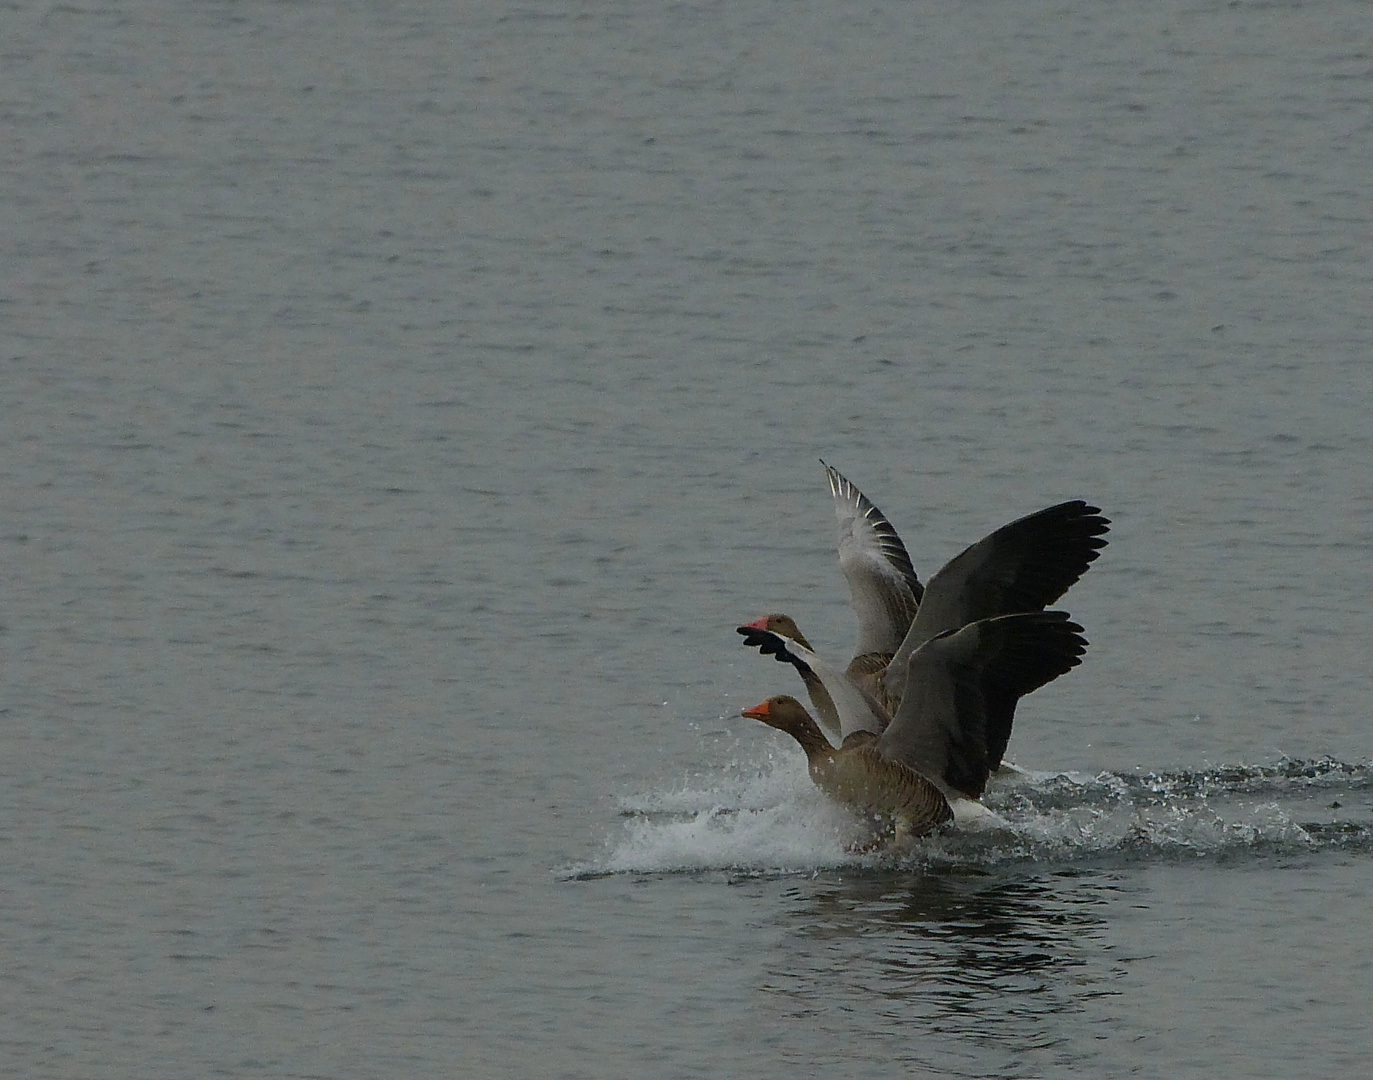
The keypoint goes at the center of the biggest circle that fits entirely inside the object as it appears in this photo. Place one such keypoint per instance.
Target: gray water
(403, 403)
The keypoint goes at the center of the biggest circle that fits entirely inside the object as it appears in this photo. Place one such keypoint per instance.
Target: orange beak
(757, 624)
(758, 712)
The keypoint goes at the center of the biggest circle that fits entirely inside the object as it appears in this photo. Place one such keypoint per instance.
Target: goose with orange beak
(928, 763)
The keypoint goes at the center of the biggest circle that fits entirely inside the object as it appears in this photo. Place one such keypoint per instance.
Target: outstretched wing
(1023, 566)
(962, 688)
(883, 585)
(856, 709)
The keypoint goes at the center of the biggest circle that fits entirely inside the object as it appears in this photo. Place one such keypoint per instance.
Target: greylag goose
(929, 762)
(1023, 566)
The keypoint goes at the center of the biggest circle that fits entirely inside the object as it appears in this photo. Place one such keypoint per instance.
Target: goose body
(856, 774)
(950, 730)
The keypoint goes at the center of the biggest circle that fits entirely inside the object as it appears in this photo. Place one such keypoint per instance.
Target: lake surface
(403, 404)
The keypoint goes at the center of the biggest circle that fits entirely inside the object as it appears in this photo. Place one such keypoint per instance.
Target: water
(404, 403)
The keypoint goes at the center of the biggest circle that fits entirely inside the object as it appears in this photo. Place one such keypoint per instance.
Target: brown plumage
(856, 774)
(951, 729)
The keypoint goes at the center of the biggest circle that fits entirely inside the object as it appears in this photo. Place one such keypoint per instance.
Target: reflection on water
(1003, 963)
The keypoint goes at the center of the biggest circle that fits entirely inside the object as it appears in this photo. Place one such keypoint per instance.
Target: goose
(1023, 566)
(929, 762)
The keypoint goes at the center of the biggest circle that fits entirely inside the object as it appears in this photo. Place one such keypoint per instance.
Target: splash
(769, 818)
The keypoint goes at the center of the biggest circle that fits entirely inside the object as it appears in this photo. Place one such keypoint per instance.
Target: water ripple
(772, 821)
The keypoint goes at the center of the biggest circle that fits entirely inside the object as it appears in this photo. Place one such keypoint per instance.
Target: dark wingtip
(765, 641)
(1092, 516)
(1084, 513)
(769, 643)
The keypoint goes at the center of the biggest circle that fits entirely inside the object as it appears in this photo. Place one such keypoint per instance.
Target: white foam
(765, 819)
(769, 817)
(747, 786)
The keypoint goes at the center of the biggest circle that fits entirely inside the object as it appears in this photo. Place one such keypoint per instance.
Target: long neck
(806, 732)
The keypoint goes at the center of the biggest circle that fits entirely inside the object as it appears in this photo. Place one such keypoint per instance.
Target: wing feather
(883, 585)
(962, 688)
(1023, 566)
(857, 710)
